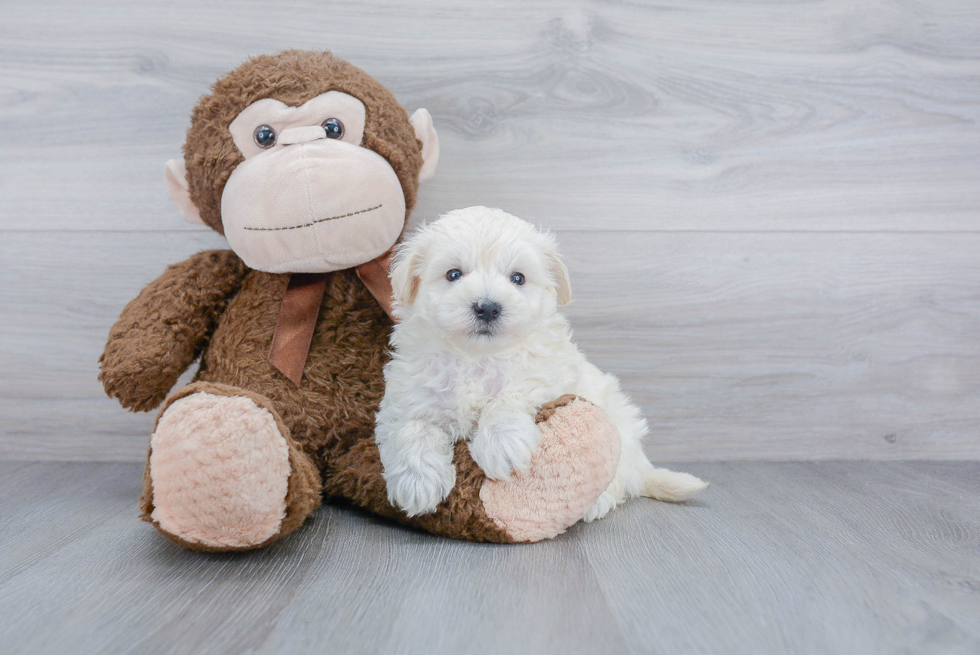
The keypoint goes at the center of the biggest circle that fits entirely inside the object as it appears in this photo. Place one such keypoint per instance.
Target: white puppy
(479, 348)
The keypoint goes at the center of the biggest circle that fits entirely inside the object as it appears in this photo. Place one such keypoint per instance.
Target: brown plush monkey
(310, 168)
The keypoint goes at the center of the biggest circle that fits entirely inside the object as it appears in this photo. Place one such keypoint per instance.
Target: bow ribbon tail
(297, 321)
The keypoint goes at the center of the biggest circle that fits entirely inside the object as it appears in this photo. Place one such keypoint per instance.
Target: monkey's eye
(265, 136)
(517, 278)
(333, 127)
(454, 274)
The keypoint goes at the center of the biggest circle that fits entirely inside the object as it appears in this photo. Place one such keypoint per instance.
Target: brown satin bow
(301, 307)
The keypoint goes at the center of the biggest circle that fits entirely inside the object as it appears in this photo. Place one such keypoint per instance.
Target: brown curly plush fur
(357, 476)
(330, 416)
(214, 307)
(163, 330)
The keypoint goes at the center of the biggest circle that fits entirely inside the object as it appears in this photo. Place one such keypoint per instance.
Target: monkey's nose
(303, 134)
(486, 311)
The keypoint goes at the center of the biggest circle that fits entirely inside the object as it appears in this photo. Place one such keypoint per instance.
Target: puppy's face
(483, 279)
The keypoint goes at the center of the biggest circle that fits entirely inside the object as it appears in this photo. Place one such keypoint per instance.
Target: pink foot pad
(576, 462)
(220, 471)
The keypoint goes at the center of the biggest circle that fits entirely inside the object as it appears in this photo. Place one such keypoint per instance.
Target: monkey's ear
(175, 180)
(426, 133)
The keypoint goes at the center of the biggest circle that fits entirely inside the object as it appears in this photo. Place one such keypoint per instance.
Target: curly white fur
(453, 376)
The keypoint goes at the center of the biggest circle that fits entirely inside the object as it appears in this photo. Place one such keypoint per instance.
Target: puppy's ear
(563, 284)
(406, 269)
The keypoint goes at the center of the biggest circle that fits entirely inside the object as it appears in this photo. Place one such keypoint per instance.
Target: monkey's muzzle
(313, 206)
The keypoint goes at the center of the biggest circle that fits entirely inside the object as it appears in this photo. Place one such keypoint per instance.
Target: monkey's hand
(164, 329)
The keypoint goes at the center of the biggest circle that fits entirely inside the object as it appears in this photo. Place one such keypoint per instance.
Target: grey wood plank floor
(835, 557)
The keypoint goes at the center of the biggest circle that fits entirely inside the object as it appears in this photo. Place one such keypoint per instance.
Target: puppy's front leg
(506, 437)
(417, 457)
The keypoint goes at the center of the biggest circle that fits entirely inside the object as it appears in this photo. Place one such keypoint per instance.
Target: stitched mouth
(312, 223)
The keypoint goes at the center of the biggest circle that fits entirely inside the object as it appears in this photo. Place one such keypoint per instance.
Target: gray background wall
(771, 210)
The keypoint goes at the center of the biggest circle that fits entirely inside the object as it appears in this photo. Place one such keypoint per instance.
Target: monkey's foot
(575, 463)
(223, 473)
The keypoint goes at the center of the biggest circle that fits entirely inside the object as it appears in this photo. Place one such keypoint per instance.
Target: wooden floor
(853, 557)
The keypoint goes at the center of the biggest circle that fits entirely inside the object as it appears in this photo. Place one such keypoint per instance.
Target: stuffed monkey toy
(309, 167)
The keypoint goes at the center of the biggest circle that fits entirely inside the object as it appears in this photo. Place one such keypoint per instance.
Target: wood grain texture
(845, 557)
(827, 115)
(736, 346)
(771, 210)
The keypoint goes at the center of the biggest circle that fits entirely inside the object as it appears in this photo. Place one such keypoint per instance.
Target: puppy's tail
(671, 486)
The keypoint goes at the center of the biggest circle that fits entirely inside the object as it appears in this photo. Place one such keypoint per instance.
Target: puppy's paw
(418, 466)
(605, 504)
(505, 444)
(419, 489)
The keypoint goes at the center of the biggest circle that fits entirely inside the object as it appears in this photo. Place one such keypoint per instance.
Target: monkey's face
(304, 162)
(308, 198)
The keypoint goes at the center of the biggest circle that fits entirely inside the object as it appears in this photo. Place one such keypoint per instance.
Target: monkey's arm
(163, 330)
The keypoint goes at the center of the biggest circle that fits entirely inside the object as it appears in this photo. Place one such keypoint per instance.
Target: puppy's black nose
(486, 311)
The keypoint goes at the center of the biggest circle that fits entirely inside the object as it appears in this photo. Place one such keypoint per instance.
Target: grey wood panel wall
(771, 211)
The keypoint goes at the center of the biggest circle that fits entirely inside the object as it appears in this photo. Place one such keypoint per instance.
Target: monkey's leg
(223, 472)
(575, 463)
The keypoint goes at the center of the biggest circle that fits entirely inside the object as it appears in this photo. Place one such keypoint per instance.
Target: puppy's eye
(517, 278)
(454, 274)
(333, 127)
(265, 136)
